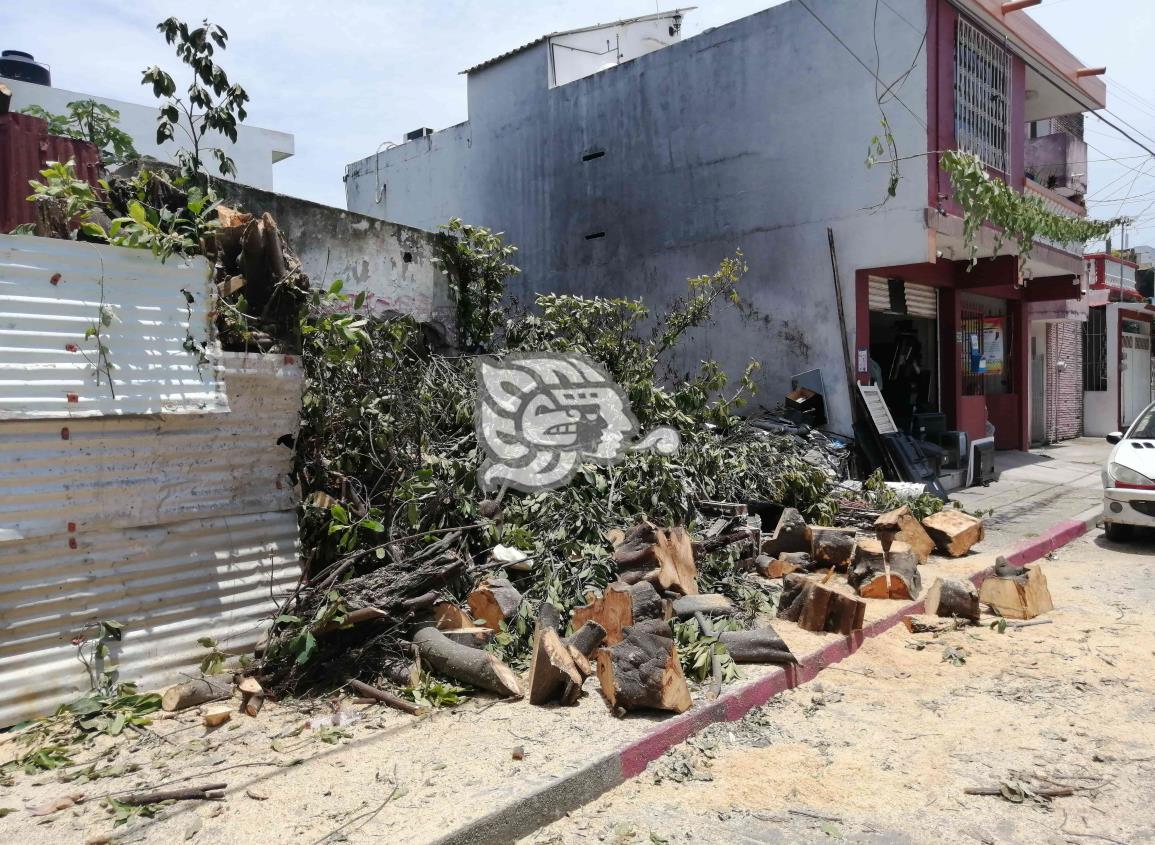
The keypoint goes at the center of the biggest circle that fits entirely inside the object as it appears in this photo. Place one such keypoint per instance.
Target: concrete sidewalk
(1037, 489)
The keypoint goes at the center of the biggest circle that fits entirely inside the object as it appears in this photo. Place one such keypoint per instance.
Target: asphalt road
(880, 748)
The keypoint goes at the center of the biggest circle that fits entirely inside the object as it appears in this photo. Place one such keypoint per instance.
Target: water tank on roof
(16, 64)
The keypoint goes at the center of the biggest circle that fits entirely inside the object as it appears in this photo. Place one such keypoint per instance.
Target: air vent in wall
(592, 154)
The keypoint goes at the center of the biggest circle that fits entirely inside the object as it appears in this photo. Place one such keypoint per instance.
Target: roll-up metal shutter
(894, 296)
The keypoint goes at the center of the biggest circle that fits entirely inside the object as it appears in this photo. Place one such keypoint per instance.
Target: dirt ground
(880, 747)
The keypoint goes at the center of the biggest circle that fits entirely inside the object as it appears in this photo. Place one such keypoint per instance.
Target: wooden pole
(846, 358)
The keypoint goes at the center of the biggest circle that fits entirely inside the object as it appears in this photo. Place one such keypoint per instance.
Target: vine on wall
(1019, 218)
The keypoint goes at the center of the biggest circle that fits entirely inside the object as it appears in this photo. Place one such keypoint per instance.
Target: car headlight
(1126, 475)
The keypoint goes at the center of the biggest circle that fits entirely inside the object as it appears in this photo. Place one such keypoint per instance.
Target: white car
(1129, 478)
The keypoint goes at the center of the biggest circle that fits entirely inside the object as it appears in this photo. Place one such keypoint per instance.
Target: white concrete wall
(254, 153)
(578, 54)
(1101, 407)
(752, 135)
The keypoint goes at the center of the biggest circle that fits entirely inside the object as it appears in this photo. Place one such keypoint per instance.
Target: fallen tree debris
(953, 598)
(901, 524)
(494, 602)
(208, 792)
(463, 663)
(922, 624)
(620, 606)
(664, 555)
(877, 574)
(196, 691)
(216, 717)
(642, 672)
(818, 608)
(1016, 595)
(832, 547)
(760, 645)
(386, 698)
(552, 671)
(954, 532)
(791, 534)
(706, 603)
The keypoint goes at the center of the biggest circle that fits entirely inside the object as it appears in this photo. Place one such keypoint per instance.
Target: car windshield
(1144, 428)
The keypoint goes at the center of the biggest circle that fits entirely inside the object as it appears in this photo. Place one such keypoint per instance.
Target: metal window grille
(982, 82)
(1095, 349)
(973, 382)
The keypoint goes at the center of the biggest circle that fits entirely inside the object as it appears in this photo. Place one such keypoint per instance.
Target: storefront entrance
(904, 343)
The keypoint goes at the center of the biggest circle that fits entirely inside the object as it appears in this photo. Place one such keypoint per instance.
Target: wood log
(463, 663)
(474, 636)
(386, 698)
(761, 645)
(702, 548)
(1021, 596)
(495, 601)
(875, 575)
(833, 547)
(952, 598)
(249, 686)
(253, 703)
(643, 672)
(954, 532)
(552, 671)
(448, 615)
(216, 717)
(669, 550)
(923, 624)
(353, 617)
(792, 534)
(619, 606)
(816, 607)
(197, 691)
(901, 525)
(706, 603)
(587, 638)
(657, 627)
(769, 567)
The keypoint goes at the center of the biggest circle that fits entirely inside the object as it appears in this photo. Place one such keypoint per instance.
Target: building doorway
(904, 359)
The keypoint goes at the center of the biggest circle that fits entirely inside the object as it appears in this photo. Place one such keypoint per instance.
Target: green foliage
(75, 198)
(477, 262)
(156, 227)
(211, 103)
(696, 651)
(433, 693)
(214, 661)
(882, 498)
(96, 123)
(122, 813)
(1018, 217)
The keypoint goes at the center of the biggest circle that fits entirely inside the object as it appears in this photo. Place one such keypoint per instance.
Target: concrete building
(1117, 350)
(254, 153)
(624, 164)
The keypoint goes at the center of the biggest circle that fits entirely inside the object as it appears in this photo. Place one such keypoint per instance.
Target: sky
(345, 75)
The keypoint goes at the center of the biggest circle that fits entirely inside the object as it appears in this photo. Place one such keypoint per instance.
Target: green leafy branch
(1019, 218)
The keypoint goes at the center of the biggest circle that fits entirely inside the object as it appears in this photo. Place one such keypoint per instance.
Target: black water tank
(16, 64)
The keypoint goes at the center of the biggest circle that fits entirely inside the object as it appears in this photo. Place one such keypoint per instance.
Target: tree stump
(552, 671)
(707, 603)
(643, 672)
(878, 576)
(493, 602)
(462, 663)
(448, 615)
(1017, 596)
(902, 525)
(619, 606)
(664, 554)
(762, 645)
(792, 534)
(816, 607)
(954, 532)
(832, 547)
(951, 598)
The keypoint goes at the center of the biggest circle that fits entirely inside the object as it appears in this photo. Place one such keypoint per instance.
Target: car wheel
(1117, 532)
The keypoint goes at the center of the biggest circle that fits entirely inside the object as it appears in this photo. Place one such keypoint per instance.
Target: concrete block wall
(1064, 380)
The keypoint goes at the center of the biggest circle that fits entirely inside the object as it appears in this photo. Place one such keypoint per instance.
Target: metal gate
(1135, 375)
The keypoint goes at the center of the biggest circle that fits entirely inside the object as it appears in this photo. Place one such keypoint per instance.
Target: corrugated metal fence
(177, 525)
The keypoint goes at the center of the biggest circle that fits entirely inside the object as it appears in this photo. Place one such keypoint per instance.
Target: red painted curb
(733, 705)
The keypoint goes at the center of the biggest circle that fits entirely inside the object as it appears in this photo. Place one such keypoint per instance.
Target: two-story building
(623, 159)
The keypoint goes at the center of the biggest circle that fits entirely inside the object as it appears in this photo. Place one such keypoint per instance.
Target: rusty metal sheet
(53, 291)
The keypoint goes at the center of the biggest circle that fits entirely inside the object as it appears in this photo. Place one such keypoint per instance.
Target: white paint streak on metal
(52, 291)
(178, 527)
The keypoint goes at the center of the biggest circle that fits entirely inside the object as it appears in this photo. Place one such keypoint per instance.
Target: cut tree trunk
(901, 525)
(792, 534)
(833, 547)
(657, 627)
(951, 598)
(670, 551)
(619, 606)
(816, 607)
(493, 602)
(467, 664)
(1021, 596)
(705, 603)
(552, 671)
(878, 576)
(643, 672)
(475, 636)
(762, 645)
(197, 691)
(954, 532)
(922, 624)
(587, 638)
(448, 615)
